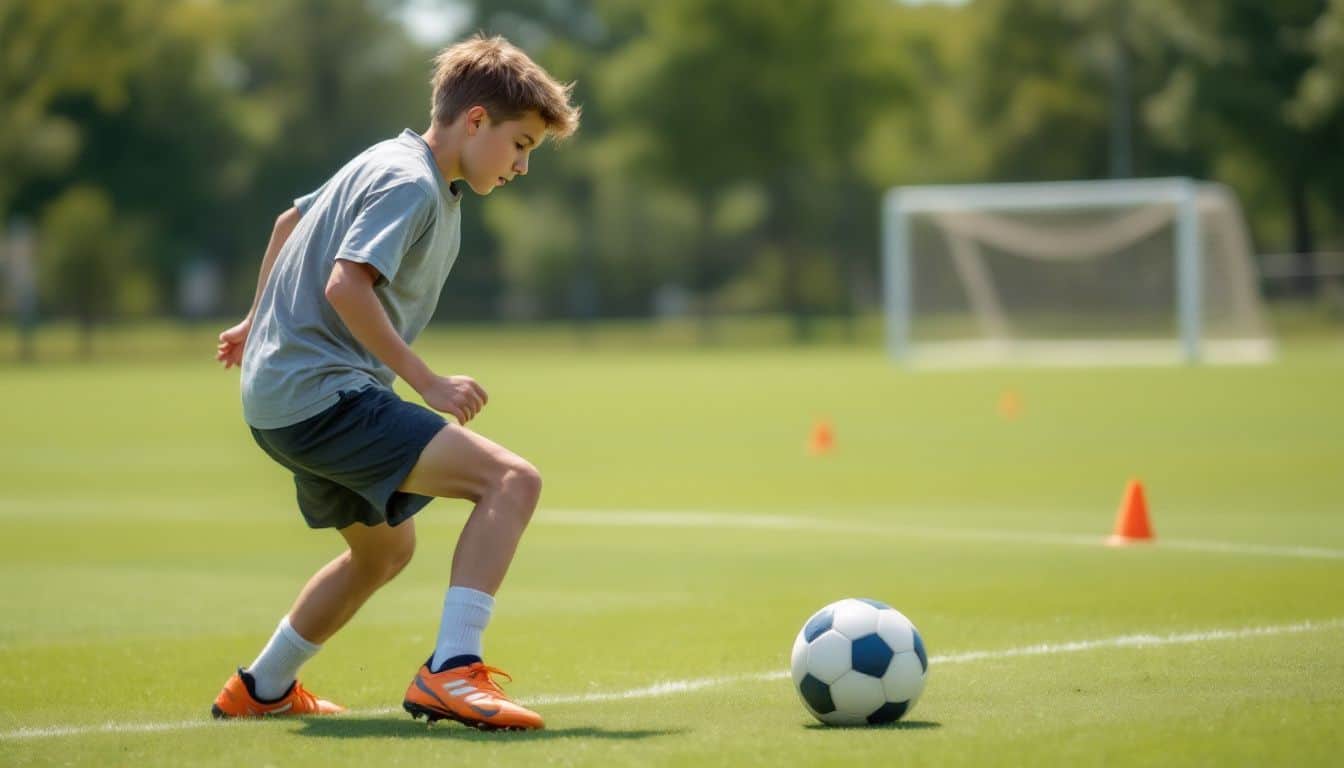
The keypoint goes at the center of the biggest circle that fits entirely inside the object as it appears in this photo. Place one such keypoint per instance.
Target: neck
(446, 151)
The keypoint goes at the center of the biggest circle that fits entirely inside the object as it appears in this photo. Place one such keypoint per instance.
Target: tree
(84, 258)
(1318, 104)
(774, 95)
(51, 51)
(582, 190)
(1058, 84)
(1255, 94)
(120, 96)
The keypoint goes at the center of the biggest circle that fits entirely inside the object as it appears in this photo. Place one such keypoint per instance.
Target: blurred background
(728, 173)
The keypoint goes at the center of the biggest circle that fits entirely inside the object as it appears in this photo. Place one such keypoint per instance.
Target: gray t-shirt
(389, 208)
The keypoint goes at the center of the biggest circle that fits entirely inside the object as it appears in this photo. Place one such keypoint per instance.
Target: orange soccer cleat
(239, 699)
(468, 695)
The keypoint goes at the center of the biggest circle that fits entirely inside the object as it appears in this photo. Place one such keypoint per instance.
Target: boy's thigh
(461, 464)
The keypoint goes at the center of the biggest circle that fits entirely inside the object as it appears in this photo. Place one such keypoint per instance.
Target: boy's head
(507, 105)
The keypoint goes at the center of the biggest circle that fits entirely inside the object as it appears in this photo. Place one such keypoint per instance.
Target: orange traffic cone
(1131, 522)
(822, 439)
(1010, 405)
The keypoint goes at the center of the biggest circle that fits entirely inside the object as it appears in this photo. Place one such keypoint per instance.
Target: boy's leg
(333, 595)
(329, 599)
(455, 683)
(460, 464)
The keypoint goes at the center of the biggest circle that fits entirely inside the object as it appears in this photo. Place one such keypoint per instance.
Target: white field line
(694, 519)
(730, 520)
(672, 687)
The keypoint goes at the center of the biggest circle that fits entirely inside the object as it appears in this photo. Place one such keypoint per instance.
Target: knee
(399, 557)
(523, 481)
(384, 564)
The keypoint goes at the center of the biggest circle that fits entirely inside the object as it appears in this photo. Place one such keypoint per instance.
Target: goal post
(1146, 271)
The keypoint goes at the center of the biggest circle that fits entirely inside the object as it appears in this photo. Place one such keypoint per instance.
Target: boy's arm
(350, 292)
(231, 341)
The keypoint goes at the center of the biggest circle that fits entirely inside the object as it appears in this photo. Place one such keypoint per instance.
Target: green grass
(147, 547)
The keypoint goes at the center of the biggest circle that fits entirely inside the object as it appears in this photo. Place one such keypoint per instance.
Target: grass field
(147, 547)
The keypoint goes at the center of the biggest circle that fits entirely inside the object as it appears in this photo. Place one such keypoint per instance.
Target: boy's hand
(460, 396)
(230, 349)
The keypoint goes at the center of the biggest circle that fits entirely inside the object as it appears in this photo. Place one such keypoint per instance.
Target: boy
(351, 275)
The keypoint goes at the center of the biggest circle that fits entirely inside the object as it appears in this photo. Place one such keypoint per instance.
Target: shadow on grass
(400, 728)
(899, 725)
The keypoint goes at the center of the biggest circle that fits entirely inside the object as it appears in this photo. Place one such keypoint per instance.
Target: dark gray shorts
(349, 459)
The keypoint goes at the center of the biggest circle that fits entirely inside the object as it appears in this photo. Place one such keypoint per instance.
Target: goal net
(1151, 271)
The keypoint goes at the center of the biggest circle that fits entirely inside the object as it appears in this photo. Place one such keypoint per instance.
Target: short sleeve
(306, 201)
(388, 223)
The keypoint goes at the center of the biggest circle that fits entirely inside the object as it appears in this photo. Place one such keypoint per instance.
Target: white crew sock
(465, 614)
(278, 665)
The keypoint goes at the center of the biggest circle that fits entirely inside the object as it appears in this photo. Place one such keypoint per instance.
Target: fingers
(470, 396)
(453, 405)
(469, 407)
(459, 414)
(460, 397)
(229, 354)
(476, 402)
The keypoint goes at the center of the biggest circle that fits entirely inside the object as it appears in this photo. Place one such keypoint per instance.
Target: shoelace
(305, 701)
(480, 674)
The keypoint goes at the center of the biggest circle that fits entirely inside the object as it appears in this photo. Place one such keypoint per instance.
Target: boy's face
(495, 153)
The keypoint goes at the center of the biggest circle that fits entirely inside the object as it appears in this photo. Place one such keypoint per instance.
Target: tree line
(732, 155)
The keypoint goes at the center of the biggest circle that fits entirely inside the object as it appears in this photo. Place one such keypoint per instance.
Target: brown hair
(492, 72)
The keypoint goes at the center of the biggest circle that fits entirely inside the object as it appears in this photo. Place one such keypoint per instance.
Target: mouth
(502, 181)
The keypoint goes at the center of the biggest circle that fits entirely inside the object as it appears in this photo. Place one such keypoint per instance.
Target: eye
(518, 145)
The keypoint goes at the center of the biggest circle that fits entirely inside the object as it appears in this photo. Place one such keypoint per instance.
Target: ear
(476, 116)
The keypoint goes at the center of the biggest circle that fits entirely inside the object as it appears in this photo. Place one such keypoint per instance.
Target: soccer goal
(1148, 271)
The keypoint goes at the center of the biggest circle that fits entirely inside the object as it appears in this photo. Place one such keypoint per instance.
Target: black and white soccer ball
(859, 662)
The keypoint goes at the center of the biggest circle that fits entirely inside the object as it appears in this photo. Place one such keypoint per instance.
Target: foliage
(84, 257)
(730, 148)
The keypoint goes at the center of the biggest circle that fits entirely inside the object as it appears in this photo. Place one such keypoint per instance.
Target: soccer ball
(859, 662)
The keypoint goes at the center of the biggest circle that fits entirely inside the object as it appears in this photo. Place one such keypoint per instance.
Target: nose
(520, 166)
